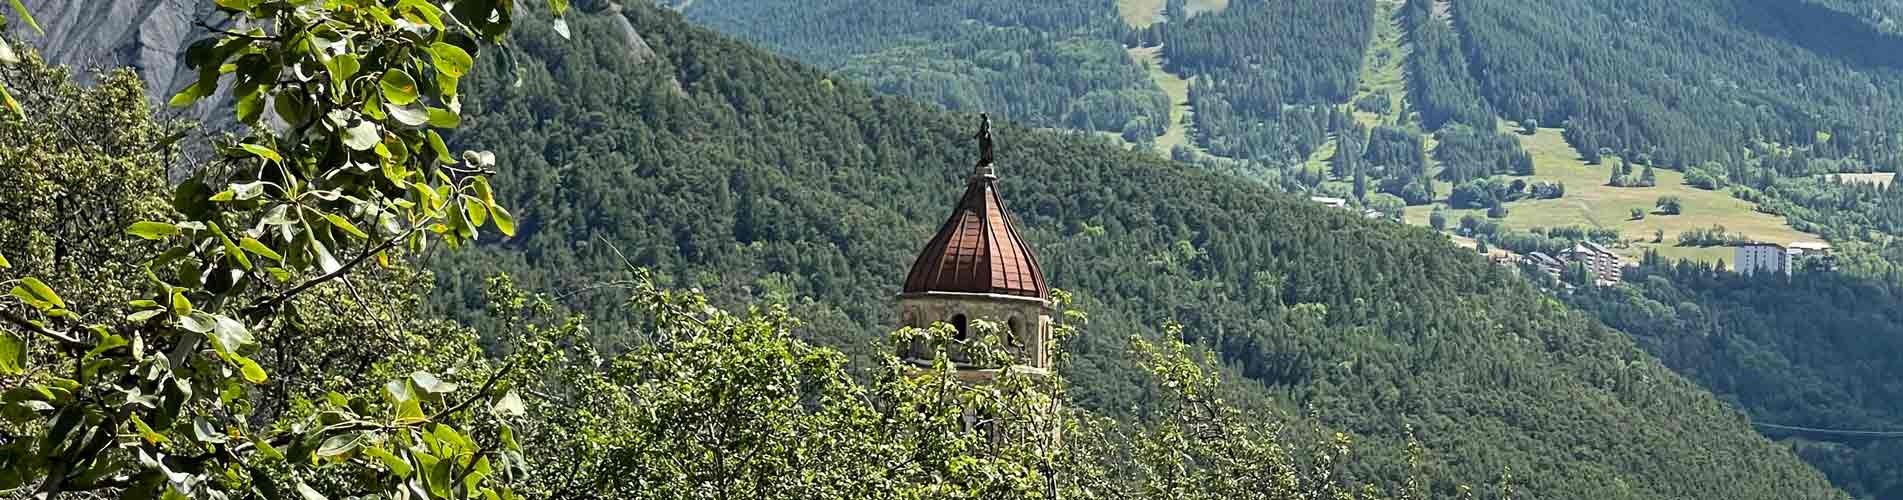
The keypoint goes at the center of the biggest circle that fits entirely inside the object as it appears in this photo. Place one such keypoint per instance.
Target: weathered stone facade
(1028, 321)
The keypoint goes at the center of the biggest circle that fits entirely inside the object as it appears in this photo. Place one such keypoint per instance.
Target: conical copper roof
(978, 250)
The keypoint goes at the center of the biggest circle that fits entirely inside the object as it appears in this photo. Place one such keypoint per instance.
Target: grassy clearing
(1589, 201)
(1140, 13)
(1143, 13)
(1195, 7)
(1383, 68)
(1178, 90)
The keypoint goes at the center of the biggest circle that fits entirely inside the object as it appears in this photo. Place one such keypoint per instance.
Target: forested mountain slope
(1815, 350)
(1690, 82)
(1047, 64)
(744, 174)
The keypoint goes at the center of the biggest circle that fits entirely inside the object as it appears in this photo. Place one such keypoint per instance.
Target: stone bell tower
(978, 268)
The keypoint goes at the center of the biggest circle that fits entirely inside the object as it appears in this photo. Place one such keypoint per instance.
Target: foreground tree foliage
(726, 405)
(156, 380)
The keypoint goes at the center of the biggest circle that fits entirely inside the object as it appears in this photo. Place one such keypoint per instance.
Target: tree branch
(64, 339)
(486, 386)
(280, 299)
(230, 33)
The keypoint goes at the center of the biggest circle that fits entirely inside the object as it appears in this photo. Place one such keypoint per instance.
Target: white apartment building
(1756, 258)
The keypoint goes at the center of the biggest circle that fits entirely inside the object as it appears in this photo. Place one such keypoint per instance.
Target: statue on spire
(984, 140)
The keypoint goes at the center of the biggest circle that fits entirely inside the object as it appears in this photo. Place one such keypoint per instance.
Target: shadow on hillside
(1829, 33)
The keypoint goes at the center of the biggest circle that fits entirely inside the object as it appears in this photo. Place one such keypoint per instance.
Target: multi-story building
(1602, 263)
(1759, 257)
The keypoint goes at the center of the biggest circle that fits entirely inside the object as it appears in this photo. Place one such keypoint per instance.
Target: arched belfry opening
(978, 267)
(963, 325)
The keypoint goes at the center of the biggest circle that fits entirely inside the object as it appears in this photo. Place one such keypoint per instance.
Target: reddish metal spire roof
(978, 250)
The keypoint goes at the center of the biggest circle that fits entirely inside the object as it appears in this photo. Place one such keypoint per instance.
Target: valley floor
(1589, 201)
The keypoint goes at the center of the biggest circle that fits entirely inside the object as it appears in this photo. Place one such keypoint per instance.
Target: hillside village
(1606, 267)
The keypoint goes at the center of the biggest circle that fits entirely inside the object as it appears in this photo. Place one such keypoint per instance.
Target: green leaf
(362, 136)
(12, 354)
(205, 433)
(146, 431)
(231, 249)
(345, 225)
(228, 335)
(6, 99)
(411, 115)
(442, 150)
(153, 230)
(20, 8)
(398, 391)
(184, 97)
(107, 342)
(430, 13)
(305, 490)
(265, 448)
(277, 215)
(396, 465)
(410, 412)
(478, 212)
(399, 87)
(339, 445)
(252, 372)
(250, 104)
(198, 322)
(242, 192)
(43, 292)
(143, 316)
(448, 436)
(510, 405)
(483, 192)
(3, 262)
(341, 68)
(325, 261)
(508, 439)
(6, 53)
(436, 474)
(504, 221)
(181, 306)
(430, 384)
(257, 247)
(450, 59)
(262, 152)
(20, 292)
(561, 27)
(443, 118)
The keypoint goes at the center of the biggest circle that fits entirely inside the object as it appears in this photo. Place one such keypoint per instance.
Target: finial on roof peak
(985, 149)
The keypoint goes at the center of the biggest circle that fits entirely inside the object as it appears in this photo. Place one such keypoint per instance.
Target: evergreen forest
(603, 250)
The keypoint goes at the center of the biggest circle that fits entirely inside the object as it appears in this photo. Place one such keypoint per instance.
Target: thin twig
(64, 339)
(278, 300)
(230, 33)
(486, 386)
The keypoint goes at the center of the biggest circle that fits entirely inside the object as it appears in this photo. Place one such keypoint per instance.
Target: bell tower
(978, 268)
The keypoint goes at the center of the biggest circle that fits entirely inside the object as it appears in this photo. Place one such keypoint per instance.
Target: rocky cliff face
(150, 36)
